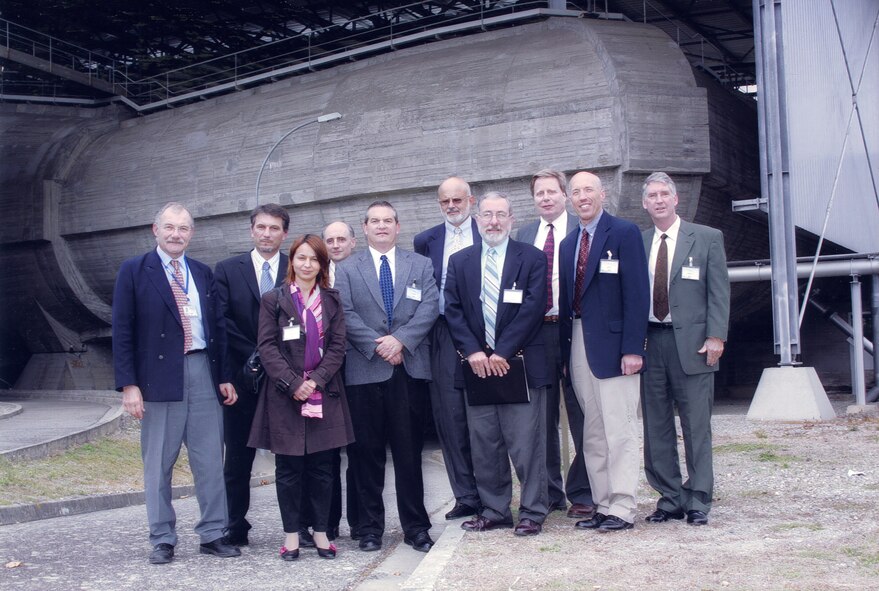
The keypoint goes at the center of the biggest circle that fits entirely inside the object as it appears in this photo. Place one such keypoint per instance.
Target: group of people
(326, 347)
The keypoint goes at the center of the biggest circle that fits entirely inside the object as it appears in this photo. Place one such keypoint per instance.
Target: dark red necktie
(582, 258)
(549, 251)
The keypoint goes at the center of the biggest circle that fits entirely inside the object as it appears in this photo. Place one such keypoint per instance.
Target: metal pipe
(858, 388)
(841, 324)
(823, 269)
(873, 394)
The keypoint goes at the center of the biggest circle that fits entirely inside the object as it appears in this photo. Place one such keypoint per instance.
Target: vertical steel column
(858, 387)
(774, 175)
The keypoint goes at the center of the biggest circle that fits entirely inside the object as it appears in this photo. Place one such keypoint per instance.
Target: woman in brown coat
(302, 414)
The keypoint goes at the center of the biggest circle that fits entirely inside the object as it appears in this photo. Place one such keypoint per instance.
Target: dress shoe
(289, 555)
(593, 522)
(484, 524)
(162, 554)
(581, 511)
(661, 515)
(220, 548)
(460, 510)
(527, 527)
(420, 541)
(305, 538)
(371, 542)
(236, 539)
(328, 553)
(696, 517)
(614, 523)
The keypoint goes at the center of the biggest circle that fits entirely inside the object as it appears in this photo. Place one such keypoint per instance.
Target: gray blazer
(699, 309)
(528, 232)
(365, 318)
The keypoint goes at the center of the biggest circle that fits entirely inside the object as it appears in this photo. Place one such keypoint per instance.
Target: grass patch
(792, 526)
(744, 448)
(551, 548)
(111, 465)
(865, 558)
(761, 434)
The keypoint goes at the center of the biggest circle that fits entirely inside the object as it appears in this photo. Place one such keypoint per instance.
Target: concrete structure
(81, 187)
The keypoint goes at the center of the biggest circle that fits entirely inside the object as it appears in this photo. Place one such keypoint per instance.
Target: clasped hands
(484, 366)
(390, 349)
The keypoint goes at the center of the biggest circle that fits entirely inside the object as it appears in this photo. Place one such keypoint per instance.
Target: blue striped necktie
(265, 282)
(490, 292)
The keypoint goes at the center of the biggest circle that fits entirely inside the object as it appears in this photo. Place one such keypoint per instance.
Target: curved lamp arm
(321, 119)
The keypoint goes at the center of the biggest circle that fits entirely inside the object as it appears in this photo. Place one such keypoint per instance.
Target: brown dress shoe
(527, 527)
(581, 511)
(484, 524)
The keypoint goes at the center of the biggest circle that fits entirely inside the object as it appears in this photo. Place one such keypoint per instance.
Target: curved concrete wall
(617, 98)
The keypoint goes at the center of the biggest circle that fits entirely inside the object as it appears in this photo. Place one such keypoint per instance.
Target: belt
(578, 316)
(553, 319)
(194, 351)
(661, 325)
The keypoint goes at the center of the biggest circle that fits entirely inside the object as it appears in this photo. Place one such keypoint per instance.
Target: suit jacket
(699, 309)
(517, 326)
(148, 332)
(357, 283)
(528, 232)
(432, 242)
(278, 423)
(238, 291)
(614, 307)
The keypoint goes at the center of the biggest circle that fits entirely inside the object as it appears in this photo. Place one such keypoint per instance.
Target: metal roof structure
(72, 51)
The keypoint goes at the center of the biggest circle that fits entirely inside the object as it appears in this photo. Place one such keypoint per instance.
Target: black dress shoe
(328, 553)
(306, 540)
(420, 541)
(614, 523)
(289, 555)
(371, 542)
(220, 548)
(460, 510)
(581, 511)
(482, 523)
(696, 517)
(162, 554)
(236, 539)
(661, 515)
(527, 527)
(593, 522)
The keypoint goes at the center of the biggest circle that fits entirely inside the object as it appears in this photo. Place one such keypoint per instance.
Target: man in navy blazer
(241, 281)
(390, 300)
(168, 346)
(495, 297)
(438, 243)
(603, 309)
(549, 190)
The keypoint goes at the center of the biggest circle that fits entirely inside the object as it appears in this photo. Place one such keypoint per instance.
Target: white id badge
(291, 332)
(513, 296)
(190, 311)
(413, 293)
(691, 273)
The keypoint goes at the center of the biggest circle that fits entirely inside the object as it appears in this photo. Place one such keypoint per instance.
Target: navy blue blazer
(239, 296)
(148, 332)
(517, 326)
(614, 307)
(432, 242)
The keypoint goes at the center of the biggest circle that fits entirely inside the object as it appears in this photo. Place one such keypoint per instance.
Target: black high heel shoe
(328, 553)
(289, 555)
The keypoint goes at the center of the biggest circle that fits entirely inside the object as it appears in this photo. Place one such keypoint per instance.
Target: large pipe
(858, 387)
(840, 323)
(838, 268)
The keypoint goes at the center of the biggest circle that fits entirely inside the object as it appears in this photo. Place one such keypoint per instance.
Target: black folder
(509, 389)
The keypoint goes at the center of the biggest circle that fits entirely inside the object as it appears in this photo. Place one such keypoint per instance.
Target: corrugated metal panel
(819, 104)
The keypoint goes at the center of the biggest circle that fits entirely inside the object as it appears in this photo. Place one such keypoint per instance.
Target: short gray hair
(495, 195)
(659, 177)
(174, 206)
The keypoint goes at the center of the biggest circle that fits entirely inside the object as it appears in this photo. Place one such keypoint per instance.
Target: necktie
(490, 292)
(549, 251)
(582, 258)
(660, 281)
(386, 283)
(182, 301)
(457, 240)
(265, 281)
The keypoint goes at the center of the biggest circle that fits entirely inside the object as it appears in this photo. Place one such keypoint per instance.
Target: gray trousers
(196, 421)
(665, 385)
(503, 432)
(450, 416)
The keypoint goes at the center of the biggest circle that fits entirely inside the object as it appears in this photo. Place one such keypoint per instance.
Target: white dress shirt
(191, 290)
(274, 262)
(559, 231)
(671, 240)
(377, 260)
(466, 240)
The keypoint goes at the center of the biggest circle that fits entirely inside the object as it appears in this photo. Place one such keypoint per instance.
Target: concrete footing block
(790, 394)
(870, 410)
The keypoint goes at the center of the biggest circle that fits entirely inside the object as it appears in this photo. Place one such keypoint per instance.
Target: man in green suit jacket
(689, 317)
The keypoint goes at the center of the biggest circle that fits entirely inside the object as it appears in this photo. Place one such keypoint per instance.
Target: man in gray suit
(689, 316)
(548, 187)
(391, 302)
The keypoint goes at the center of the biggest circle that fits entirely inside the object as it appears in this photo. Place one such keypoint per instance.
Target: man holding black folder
(495, 296)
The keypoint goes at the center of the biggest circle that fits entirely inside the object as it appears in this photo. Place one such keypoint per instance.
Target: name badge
(291, 332)
(690, 272)
(413, 293)
(190, 311)
(609, 265)
(513, 296)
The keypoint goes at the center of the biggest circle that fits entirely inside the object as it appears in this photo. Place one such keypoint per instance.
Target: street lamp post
(321, 119)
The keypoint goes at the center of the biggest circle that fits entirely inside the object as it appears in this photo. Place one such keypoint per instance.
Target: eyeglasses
(500, 215)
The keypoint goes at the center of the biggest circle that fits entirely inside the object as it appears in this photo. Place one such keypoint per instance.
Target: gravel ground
(796, 507)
